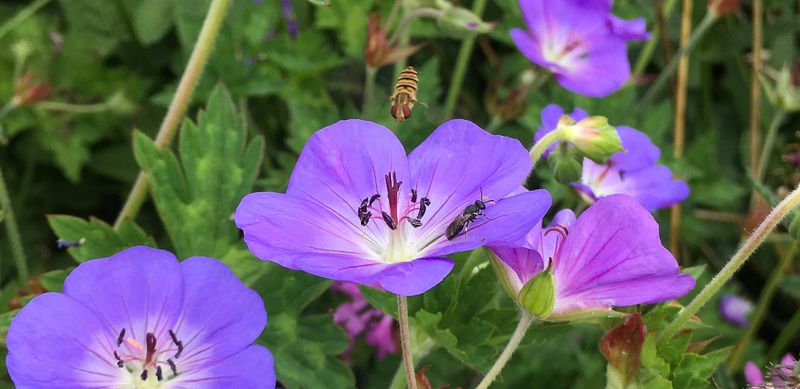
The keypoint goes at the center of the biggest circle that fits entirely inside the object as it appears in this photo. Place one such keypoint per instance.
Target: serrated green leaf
(152, 20)
(95, 237)
(306, 348)
(196, 192)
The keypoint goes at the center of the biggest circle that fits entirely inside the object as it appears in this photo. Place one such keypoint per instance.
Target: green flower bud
(565, 164)
(593, 137)
(459, 22)
(538, 296)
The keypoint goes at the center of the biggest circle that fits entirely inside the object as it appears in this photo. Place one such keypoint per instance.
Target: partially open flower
(610, 256)
(358, 209)
(141, 319)
(378, 51)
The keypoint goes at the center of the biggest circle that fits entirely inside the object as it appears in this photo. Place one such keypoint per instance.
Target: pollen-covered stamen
(120, 361)
(172, 367)
(389, 221)
(121, 337)
(178, 344)
(147, 360)
(159, 374)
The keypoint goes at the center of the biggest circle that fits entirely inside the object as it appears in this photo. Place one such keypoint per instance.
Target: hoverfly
(405, 94)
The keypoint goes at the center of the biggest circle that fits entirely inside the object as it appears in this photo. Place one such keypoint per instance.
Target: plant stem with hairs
(12, 232)
(739, 258)
(405, 342)
(519, 333)
(769, 143)
(177, 109)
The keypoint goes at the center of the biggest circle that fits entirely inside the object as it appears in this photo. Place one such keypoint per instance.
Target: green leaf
(152, 20)
(321, 3)
(95, 237)
(53, 281)
(99, 24)
(306, 348)
(197, 191)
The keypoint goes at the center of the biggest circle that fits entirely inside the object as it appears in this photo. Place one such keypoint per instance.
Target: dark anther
(178, 344)
(389, 221)
(144, 375)
(120, 362)
(413, 195)
(159, 376)
(373, 198)
(365, 218)
(414, 222)
(423, 206)
(151, 347)
(172, 367)
(121, 337)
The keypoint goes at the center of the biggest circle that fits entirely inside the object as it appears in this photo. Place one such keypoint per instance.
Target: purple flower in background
(783, 375)
(357, 209)
(633, 172)
(139, 319)
(288, 16)
(358, 317)
(610, 256)
(735, 309)
(580, 41)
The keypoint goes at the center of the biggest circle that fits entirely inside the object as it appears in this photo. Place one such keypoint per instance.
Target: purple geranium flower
(140, 319)
(358, 317)
(610, 256)
(580, 41)
(735, 309)
(358, 209)
(633, 172)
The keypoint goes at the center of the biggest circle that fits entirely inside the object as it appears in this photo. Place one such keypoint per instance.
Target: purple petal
(414, 277)
(139, 289)
(602, 70)
(552, 236)
(653, 187)
(457, 165)
(752, 374)
(221, 316)
(554, 19)
(252, 367)
(381, 336)
(56, 341)
(505, 223)
(529, 47)
(613, 256)
(520, 263)
(630, 30)
(640, 151)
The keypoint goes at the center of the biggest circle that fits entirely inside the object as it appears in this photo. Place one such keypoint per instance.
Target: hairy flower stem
(177, 109)
(739, 258)
(12, 232)
(541, 146)
(519, 333)
(405, 342)
(769, 143)
(21, 16)
(665, 74)
(461, 65)
(764, 301)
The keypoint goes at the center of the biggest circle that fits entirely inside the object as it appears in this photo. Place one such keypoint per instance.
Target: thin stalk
(787, 333)
(405, 342)
(177, 109)
(519, 333)
(464, 53)
(685, 50)
(679, 134)
(73, 108)
(14, 237)
(369, 90)
(755, 85)
(421, 351)
(21, 16)
(409, 18)
(764, 301)
(396, 5)
(541, 146)
(739, 258)
(769, 143)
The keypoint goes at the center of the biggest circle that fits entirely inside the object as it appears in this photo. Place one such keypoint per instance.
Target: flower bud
(460, 22)
(27, 91)
(538, 296)
(566, 166)
(622, 348)
(784, 93)
(723, 7)
(593, 137)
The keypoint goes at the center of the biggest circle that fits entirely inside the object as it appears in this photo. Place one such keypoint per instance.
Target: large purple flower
(610, 256)
(358, 209)
(142, 319)
(580, 41)
(633, 172)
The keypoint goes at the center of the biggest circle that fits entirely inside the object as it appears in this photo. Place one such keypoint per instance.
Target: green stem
(177, 109)
(8, 107)
(14, 237)
(462, 61)
(649, 48)
(409, 18)
(764, 301)
(667, 72)
(541, 146)
(739, 258)
(21, 16)
(73, 108)
(421, 351)
(786, 335)
(405, 342)
(519, 333)
(769, 142)
(369, 90)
